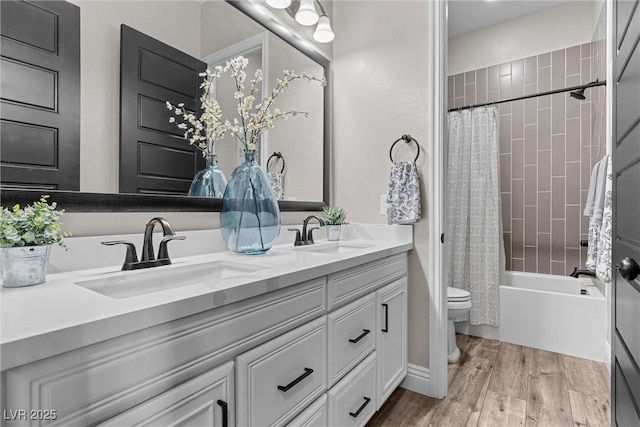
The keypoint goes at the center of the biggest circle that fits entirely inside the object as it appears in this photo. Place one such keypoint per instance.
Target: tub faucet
(148, 258)
(306, 237)
(577, 273)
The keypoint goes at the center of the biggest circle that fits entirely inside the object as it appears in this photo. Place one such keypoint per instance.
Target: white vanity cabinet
(391, 344)
(205, 401)
(326, 351)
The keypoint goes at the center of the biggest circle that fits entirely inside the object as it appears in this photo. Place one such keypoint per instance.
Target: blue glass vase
(250, 216)
(210, 181)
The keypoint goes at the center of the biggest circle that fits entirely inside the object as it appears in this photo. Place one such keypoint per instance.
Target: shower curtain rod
(535, 95)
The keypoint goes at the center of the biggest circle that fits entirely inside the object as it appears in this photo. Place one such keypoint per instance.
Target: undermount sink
(128, 284)
(333, 248)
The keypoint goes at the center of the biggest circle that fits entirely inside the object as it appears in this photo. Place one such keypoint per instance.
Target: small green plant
(35, 225)
(333, 215)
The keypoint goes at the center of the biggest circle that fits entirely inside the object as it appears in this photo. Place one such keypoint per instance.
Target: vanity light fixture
(279, 4)
(305, 13)
(324, 33)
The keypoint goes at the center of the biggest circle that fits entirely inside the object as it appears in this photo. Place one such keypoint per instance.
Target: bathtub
(549, 313)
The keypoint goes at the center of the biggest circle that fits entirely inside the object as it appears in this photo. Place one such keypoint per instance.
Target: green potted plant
(334, 217)
(26, 236)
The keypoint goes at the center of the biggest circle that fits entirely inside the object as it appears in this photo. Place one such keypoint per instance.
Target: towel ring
(278, 155)
(408, 139)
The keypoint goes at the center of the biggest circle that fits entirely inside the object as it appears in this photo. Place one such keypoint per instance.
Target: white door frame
(438, 35)
(257, 43)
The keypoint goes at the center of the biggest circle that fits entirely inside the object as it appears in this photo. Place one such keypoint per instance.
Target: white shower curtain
(475, 251)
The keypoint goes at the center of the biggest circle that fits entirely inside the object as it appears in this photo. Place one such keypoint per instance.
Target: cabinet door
(207, 400)
(391, 342)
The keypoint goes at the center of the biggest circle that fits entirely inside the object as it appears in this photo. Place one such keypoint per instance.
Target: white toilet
(458, 304)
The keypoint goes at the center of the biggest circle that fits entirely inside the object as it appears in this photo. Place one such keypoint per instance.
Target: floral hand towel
(277, 184)
(403, 196)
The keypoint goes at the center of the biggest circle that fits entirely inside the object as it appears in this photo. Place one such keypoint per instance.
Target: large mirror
(213, 31)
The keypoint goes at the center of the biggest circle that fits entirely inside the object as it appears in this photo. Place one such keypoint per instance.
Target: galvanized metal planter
(333, 232)
(24, 266)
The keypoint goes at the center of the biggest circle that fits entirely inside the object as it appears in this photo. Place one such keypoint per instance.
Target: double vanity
(306, 335)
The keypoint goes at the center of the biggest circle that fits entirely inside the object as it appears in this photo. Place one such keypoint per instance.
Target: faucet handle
(130, 257)
(163, 252)
(310, 235)
(298, 241)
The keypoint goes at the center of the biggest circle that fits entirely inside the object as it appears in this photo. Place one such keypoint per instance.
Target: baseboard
(483, 331)
(606, 348)
(417, 379)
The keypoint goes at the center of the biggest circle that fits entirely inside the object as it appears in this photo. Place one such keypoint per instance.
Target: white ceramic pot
(333, 232)
(24, 266)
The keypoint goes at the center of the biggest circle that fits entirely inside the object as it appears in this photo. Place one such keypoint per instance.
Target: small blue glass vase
(210, 181)
(250, 215)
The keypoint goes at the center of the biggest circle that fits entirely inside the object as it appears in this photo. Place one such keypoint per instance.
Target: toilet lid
(455, 294)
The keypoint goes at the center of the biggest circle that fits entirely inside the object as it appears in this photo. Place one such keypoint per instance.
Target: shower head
(578, 94)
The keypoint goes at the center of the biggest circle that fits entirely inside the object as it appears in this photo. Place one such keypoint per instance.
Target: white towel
(403, 196)
(591, 196)
(603, 263)
(597, 210)
(276, 180)
(601, 186)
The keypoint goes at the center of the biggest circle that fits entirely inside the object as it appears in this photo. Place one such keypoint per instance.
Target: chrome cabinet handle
(285, 388)
(225, 412)
(362, 335)
(364, 405)
(628, 268)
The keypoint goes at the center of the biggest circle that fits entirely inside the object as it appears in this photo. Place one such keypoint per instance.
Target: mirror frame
(78, 201)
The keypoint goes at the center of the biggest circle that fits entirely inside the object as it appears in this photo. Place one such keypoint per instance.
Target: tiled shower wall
(546, 153)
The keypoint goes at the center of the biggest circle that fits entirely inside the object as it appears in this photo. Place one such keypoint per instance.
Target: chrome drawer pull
(307, 372)
(366, 402)
(386, 318)
(225, 412)
(364, 334)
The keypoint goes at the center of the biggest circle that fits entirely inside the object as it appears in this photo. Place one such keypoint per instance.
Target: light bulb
(323, 33)
(279, 4)
(307, 14)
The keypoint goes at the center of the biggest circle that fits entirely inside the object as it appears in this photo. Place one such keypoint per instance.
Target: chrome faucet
(148, 258)
(306, 237)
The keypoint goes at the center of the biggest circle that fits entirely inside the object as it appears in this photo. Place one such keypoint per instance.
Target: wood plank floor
(500, 384)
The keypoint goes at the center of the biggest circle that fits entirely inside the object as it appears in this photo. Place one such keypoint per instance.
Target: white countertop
(44, 320)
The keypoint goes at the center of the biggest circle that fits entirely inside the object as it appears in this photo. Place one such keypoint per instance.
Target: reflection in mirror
(200, 29)
(299, 140)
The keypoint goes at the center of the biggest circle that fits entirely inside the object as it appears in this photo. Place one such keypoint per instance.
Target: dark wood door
(154, 156)
(40, 94)
(625, 387)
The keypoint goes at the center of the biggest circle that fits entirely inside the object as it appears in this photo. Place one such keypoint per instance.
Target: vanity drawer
(352, 401)
(314, 416)
(348, 285)
(206, 400)
(351, 336)
(278, 379)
